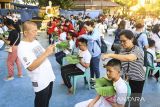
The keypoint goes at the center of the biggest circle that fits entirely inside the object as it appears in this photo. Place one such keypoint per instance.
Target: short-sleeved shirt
(42, 75)
(14, 37)
(86, 58)
(152, 51)
(157, 41)
(121, 93)
(142, 40)
(63, 36)
(135, 69)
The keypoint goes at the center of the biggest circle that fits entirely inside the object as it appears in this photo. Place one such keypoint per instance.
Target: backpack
(136, 39)
(103, 46)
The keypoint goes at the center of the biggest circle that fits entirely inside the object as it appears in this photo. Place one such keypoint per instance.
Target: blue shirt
(93, 41)
(142, 41)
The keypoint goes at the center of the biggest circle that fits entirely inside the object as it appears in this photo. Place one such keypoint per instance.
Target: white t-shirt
(121, 91)
(1, 31)
(101, 29)
(86, 58)
(157, 41)
(63, 36)
(42, 75)
(152, 51)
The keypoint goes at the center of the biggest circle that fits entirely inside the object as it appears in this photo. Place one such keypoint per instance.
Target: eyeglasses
(123, 41)
(80, 45)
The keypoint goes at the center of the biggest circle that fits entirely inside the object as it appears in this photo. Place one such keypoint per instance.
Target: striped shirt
(135, 69)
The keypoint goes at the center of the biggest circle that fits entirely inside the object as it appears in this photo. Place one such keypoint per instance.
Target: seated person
(63, 34)
(61, 54)
(77, 69)
(151, 49)
(113, 68)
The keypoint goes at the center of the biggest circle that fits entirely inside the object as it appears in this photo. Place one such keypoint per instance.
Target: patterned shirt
(134, 69)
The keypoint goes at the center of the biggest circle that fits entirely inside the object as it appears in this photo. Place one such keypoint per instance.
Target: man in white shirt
(34, 58)
(113, 68)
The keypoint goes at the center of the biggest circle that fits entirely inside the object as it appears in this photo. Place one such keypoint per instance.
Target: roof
(6, 1)
(24, 6)
(97, 3)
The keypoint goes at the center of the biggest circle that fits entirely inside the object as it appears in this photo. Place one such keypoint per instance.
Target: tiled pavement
(19, 92)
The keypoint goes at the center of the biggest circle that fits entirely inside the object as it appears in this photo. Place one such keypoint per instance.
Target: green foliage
(64, 4)
(63, 45)
(158, 55)
(127, 3)
(142, 11)
(72, 59)
(6, 33)
(104, 87)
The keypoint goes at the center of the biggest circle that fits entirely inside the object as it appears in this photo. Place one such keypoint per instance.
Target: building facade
(94, 4)
(5, 4)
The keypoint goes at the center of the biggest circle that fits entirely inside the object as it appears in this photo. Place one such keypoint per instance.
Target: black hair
(67, 20)
(129, 35)
(89, 23)
(9, 22)
(156, 28)
(151, 42)
(114, 62)
(83, 41)
(71, 33)
(122, 24)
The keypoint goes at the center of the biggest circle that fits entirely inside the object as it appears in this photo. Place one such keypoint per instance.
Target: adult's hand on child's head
(104, 57)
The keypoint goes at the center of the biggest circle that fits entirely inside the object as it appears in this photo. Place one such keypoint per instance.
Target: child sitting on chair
(113, 68)
(79, 68)
(151, 49)
(60, 55)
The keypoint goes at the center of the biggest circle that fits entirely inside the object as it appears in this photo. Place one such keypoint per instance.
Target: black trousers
(136, 92)
(59, 57)
(42, 98)
(94, 67)
(50, 36)
(69, 70)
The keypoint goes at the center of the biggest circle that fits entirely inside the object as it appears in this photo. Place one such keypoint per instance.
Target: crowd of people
(133, 37)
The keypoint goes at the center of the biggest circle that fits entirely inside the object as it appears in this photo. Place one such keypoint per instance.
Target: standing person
(13, 40)
(156, 37)
(34, 58)
(132, 63)
(94, 48)
(141, 36)
(50, 28)
(116, 44)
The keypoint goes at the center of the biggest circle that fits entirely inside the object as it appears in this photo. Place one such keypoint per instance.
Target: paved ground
(19, 92)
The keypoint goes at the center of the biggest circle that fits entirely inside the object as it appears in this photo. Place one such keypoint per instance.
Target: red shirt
(51, 28)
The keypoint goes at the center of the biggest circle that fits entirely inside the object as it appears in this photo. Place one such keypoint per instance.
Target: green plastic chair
(128, 89)
(76, 77)
(150, 65)
(128, 94)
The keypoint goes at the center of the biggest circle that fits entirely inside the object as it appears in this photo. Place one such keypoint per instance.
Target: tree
(126, 4)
